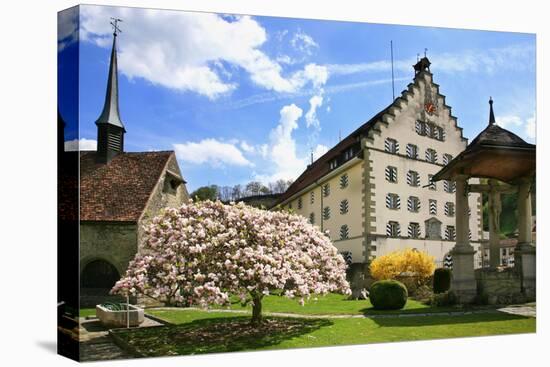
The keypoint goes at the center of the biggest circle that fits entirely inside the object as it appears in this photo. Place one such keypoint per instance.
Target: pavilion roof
(494, 153)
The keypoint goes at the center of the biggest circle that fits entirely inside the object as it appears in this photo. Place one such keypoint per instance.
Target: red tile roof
(119, 190)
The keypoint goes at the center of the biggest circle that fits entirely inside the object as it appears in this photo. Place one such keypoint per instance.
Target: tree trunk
(256, 309)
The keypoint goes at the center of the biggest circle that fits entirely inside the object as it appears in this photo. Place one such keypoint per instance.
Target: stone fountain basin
(118, 318)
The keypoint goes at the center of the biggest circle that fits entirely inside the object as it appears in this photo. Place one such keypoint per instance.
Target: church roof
(119, 191)
(321, 167)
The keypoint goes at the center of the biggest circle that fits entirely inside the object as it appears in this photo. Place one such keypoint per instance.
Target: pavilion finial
(491, 112)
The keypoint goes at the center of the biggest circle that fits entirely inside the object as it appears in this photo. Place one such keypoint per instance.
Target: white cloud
(211, 151)
(67, 27)
(281, 152)
(304, 43)
(311, 116)
(513, 57)
(182, 50)
(319, 151)
(82, 144)
(524, 127)
(247, 147)
(508, 121)
(282, 147)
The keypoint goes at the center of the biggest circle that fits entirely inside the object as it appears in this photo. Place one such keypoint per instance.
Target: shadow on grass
(433, 320)
(216, 335)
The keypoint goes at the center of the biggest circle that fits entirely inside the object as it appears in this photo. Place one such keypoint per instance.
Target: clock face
(430, 108)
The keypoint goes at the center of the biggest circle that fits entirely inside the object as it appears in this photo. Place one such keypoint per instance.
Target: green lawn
(86, 312)
(197, 332)
(331, 304)
(335, 304)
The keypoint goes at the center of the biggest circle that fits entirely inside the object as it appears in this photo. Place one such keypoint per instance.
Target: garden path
(96, 344)
(528, 310)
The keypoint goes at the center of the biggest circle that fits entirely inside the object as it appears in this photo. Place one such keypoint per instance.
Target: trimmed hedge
(388, 295)
(442, 280)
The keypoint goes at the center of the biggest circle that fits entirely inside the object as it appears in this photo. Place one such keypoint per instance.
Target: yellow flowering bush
(405, 263)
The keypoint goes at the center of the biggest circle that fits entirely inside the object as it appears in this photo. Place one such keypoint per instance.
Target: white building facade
(372, 191)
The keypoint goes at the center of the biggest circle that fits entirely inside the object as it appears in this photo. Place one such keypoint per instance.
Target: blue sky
(248, 98)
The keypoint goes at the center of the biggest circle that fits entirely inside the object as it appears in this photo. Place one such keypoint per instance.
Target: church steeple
(110, 129)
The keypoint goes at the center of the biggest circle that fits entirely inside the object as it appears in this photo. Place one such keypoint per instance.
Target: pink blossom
(203, 252)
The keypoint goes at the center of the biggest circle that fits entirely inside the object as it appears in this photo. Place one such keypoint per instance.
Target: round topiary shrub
(442, 280)
(388, 295)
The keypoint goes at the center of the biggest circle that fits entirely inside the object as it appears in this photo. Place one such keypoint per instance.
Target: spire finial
(491, 112)
(114, 24)
(425, 52)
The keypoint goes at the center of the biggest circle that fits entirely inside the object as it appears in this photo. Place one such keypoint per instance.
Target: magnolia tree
(201, 253)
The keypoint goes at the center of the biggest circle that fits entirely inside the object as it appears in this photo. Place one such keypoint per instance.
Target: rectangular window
(414, 230)
(312, 197)
(450, 233)
(299, 203)
(412, 151)
(391, 146)
(413, 204)
(433, 206)
(431, 155)
(326, 213)
(312, 218)
(393, 229)
(326, 190)
(344, 206)
(431, 183)
(344, 232)
(447, 158)
(344, 181)
(449, 209)
(393, 201)
(420, 128)
(440, 134)
(449, 186)
(391, 174)
(413, 178)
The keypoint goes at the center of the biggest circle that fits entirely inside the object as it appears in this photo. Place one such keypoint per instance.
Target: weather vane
(114, 23)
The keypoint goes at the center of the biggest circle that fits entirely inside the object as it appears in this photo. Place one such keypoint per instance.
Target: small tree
(205, 193)
(408, 262)
(202, 253)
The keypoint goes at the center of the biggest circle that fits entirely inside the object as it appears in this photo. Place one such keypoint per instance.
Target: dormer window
(333, 164)
(171, 182)
(348, 154)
